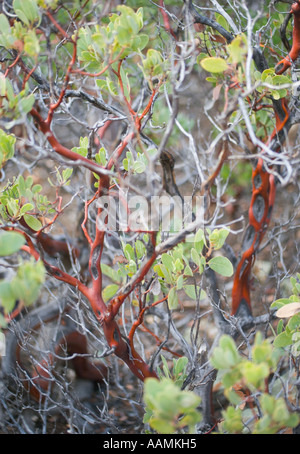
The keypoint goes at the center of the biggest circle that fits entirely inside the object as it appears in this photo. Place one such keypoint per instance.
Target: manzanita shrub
(139, 141)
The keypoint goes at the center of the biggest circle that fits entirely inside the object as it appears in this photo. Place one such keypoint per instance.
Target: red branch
(106, 314)
(263, 194)
(59, 28)
(64, 151)
(287, 61)
(166, 19)
(140, 318)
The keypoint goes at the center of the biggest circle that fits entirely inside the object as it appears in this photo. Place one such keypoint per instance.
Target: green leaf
(167, 261)
(294, 322)
(7, 146)
(140, 43)
(179, 265)
(109, 291)
(281, 80)
(66, 174)
(33, 222)
(280, 303)
(36, 188)
(195, 257)
(3, 324)
(2, 77)
(199, 240)
(180, 282)
(10, 93)
(218, 237)
(100, 157)
(123, 36)
(165, 367)
(173, 298)
(222, 21)
(25, 104)
(168, 407)
(140, 249)
(7, 296)
(111, 273)
(238, 49)
(254, 373)
(268, 403)
(83, 147)
(283, 340)
(4, 24)
(111, 87)
(180, 365)
(153, 62)
(131, 267)
(25, 208)
(21, 186)
(26, 10)
(280, 327)
(188, 271)
(280, 412)
(31, 43)
(233, 397)
(269, 72)
(157, 269)
(12, 207)
(162, 426)
(276, 95)
(293, 420)
(233, 422)
(221, 265)
(139, 166)
(27, 283)
(126, 83)
(225, 355)
(10, 242)
(29, 182)
(190, 291)
(151, 388)
(214, 64)
(129, 252)
(6, 40)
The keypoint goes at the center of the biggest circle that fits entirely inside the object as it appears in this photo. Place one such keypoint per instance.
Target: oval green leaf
(190, 291)
(32, 222)
(214, 64)
(221, 265)
(173, 298)
(25, 208)
(10, 242)
(283, 340)
(7, 297)
(109, 292)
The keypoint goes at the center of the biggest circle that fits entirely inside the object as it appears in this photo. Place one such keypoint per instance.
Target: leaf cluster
(288, 334)
(243, 378)
(178, 373)
(21, 36)
(175, 267)
(118, 38)
(23, 199)
(14, 105)
(25, 286)
(169, 409)
(269, 77)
